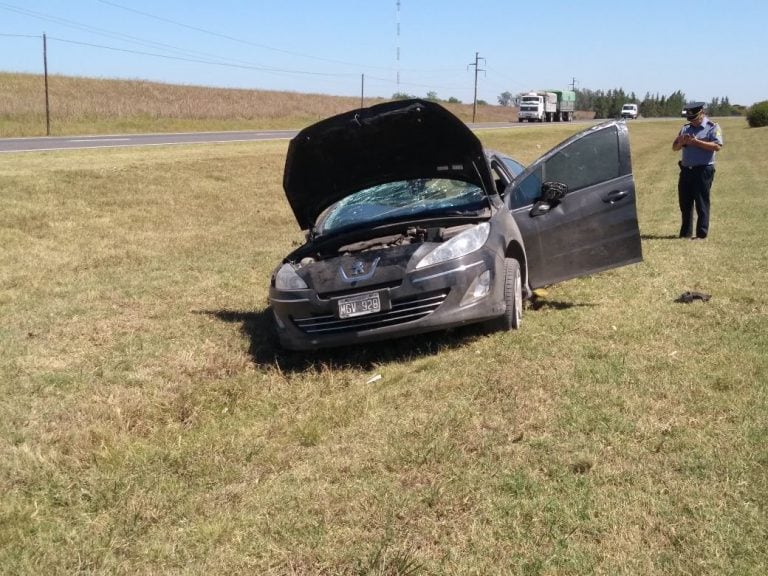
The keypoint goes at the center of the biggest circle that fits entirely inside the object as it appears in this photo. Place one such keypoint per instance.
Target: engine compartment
(317, 251)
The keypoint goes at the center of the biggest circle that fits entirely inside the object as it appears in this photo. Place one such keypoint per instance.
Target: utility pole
(362, 89)
(573, 84)
(397, 55)
(47, 107)
(476, 64)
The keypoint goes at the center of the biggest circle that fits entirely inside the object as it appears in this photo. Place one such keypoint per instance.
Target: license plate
(359, 305)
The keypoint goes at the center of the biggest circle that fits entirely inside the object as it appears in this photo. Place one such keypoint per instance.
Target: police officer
(699, 140)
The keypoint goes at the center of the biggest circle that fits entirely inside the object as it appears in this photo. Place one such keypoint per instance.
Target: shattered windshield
(403, 199)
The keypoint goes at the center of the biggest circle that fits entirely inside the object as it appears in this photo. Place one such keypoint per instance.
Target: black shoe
(699, 238)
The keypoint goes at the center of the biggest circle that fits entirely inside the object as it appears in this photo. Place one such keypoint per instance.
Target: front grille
(402, 311)
(384, 286)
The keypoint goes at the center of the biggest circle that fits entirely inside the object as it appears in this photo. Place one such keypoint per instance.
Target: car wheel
(513, 298)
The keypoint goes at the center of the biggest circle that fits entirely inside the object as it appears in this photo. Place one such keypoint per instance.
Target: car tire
(513, 298)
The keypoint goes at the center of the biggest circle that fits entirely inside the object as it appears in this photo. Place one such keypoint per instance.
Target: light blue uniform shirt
(709, 132)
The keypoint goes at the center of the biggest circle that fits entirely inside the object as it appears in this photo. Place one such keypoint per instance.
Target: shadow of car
(411, 226)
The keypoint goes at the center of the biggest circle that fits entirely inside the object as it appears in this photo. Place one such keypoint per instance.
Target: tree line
(608, 103)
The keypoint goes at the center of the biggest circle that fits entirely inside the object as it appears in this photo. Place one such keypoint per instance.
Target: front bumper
(433, 298)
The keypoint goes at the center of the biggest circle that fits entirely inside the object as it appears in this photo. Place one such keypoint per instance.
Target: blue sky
(706, 49)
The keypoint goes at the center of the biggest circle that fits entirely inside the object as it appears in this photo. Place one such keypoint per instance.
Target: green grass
(147, 425)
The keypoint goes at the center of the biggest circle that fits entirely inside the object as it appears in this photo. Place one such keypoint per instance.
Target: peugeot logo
(358, 268)
(357, 271)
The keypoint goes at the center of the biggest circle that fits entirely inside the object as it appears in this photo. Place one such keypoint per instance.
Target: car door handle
(615, 196)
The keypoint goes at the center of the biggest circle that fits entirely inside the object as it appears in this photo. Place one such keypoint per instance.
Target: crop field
(149, 426)
(108, 106)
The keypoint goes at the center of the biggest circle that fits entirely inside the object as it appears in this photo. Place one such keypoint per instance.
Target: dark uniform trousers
(693, 190)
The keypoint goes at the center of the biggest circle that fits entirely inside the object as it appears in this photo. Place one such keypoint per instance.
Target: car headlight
(457, 246)
(287, 279)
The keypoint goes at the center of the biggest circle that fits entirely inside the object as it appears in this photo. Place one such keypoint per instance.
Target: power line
(230, 65)
(507, 78)
(102, 32)
(234, 38)
(198, 61)
(414, 84)
(186, 53)
(264, 46)
(175, 53)
(20, 35)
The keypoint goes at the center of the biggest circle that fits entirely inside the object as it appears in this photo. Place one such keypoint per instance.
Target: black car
(413, 227)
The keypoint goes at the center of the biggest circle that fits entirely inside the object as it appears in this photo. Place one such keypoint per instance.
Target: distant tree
(402, 96)
(482, 103)
(739, 110)
(757, 116)
(648, 107)
(662, 106)
(506, 99)
(617, 100)
(431, 95)
(675, 104)
(584, 99)
(608, 104)
(453, 100)
(723, 107)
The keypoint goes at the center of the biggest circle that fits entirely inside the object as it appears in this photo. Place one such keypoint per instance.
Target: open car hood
(370, 146)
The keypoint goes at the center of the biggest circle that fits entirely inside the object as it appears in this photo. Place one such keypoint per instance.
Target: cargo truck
(547, 106)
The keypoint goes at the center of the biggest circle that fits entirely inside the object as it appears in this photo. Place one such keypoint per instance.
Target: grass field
(147, 425)
(109, 106)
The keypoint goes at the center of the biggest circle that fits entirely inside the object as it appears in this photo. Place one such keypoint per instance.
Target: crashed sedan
(411, 226)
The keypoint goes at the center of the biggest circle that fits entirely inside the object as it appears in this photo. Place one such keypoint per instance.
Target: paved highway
(74, 142)
(48, 143)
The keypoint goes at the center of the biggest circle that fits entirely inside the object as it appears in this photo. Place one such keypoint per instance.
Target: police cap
(692, 109)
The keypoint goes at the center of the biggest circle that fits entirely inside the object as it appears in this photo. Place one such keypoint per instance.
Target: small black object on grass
(688, 297)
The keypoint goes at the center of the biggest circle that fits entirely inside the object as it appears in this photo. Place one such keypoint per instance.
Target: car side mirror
(552, 193)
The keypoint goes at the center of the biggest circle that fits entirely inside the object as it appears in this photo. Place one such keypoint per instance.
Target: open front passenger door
(575, 207)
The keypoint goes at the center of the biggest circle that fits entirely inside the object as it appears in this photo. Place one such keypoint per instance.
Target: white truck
(546, 106)
(535, 106)
(629, 111)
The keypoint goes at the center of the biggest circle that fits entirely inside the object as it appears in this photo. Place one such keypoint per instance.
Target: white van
(629, 111)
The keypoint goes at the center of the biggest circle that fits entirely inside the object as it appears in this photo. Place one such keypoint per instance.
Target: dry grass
(97, 106)
(148, 426)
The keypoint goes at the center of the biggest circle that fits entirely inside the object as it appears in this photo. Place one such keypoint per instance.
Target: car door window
(527, 190)
(514, 167)
(591, 159)
(595, 226)
(500, 177)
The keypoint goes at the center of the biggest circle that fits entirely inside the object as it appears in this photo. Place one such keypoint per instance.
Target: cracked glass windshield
(404, 198)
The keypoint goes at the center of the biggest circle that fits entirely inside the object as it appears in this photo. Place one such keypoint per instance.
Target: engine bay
(315, 251)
